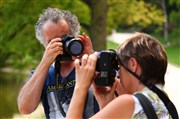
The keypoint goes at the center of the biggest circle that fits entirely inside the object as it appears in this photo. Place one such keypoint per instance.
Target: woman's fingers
(77, 63)
(93, 58)
(84, 59)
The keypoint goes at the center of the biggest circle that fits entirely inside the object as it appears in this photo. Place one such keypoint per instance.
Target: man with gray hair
(44, 84)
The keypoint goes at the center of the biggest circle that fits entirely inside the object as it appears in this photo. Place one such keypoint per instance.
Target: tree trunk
(163, 4)
(97, 29)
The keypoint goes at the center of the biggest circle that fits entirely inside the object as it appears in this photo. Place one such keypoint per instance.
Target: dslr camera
(71, 47)
(107, 65)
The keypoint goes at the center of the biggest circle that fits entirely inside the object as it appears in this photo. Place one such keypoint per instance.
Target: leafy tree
(133, 15)
(97, 18)
(171, 25)
(19, 46)
(17, 33)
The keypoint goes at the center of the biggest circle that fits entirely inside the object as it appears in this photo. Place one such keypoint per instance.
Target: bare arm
(121, 107)
(30, 94)
(104, 94)
(84, 78)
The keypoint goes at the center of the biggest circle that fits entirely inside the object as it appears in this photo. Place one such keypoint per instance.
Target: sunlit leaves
(129, 12)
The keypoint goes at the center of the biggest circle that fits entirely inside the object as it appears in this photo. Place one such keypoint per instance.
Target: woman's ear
(133, 64)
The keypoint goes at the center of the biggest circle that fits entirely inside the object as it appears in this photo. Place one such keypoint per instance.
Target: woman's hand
(85, 70)
(104, 94)
(84, 77)
(119, 89)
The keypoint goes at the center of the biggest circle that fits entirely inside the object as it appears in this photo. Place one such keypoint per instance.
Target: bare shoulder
(126, 97)
(124, 100)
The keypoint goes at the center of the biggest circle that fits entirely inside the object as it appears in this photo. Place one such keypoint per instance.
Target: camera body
(71, 47)
(107, 65)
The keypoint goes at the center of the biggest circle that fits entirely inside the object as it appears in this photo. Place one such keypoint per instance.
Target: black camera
(71, 47)
(107, 65)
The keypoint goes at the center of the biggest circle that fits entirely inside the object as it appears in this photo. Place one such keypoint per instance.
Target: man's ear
(133, 64)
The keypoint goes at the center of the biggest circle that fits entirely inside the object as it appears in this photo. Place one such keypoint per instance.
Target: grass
(112, 45)
(173, 52)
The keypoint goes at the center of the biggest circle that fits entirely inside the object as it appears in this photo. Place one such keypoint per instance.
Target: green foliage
(9, 91)
(19, 47)
(177, 2)
(17, 39)
(133, 13)
(18, 44)
(175, 26)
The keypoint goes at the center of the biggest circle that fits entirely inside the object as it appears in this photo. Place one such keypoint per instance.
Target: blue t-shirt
(53, 99)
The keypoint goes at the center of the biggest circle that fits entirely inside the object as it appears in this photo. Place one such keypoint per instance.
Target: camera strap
(169, 105)
(57, 75)
(161, 94)
(147, 106)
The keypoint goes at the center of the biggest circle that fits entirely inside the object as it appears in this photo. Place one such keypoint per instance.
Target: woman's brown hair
(149, 53)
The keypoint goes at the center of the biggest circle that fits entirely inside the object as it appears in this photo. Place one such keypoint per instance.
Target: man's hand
(54, 48)
(88, 48)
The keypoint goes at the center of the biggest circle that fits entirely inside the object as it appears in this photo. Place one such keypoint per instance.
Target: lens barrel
(71, 47)
(74, 47)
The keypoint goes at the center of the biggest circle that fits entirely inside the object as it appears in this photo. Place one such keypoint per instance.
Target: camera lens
(71, 47)
(75, 47)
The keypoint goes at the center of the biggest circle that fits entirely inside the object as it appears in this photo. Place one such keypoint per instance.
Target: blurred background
(20, 52)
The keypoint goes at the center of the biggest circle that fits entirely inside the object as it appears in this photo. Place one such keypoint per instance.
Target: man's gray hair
(54, 15)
